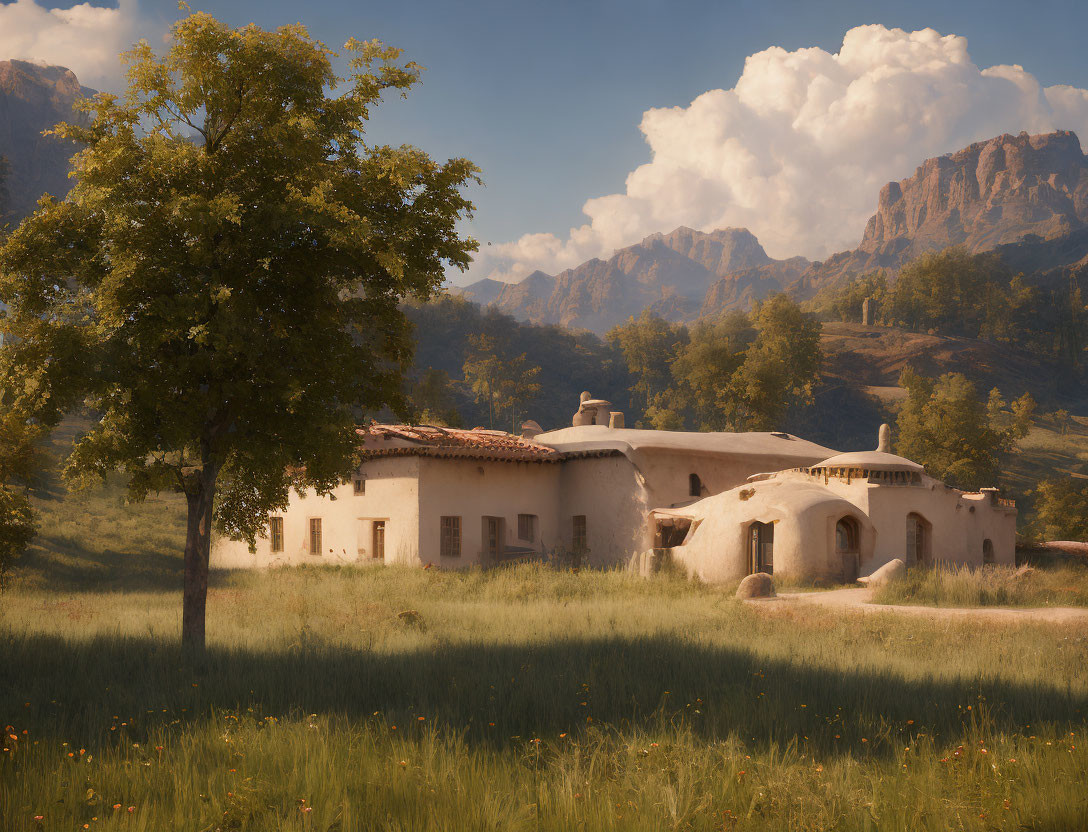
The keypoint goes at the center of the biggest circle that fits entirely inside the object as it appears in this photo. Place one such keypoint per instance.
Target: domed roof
(871, 461)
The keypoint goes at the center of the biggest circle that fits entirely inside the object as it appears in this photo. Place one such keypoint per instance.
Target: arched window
(987, 551)
(695, 486)
(846, 535)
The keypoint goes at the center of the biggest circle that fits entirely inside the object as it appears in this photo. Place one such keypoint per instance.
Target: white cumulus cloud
(84, 38)
(798, 149)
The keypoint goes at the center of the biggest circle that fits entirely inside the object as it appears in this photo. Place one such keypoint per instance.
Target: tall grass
(1004, 586)
(527, 698)
(518, 699)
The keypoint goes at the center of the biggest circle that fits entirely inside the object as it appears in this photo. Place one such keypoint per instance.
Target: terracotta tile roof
(428, 440)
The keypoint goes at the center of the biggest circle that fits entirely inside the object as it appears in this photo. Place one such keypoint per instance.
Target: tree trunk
(198, 538)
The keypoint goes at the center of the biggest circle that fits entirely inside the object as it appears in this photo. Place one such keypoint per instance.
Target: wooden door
(378, 549)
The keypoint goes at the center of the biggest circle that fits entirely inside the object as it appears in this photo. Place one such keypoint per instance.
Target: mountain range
(1025, 196)
(33, 98)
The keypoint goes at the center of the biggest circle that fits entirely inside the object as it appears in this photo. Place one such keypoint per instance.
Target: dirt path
(859, 599)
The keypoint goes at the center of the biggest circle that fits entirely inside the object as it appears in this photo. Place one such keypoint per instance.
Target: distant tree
(649, 346)
(1060, 418)
(432, 399)
(846, 305)
(704, 369)
(1061, 508)
(483, 370)
(943, 425)
(222, 282)
(781, 368)
(505, 382)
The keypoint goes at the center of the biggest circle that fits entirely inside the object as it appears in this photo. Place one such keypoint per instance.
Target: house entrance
(761, 548)
(846, 546)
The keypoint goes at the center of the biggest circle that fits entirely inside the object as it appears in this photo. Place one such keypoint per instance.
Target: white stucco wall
(608, 491)
(805, 511)
(472, 489)
(391, 495)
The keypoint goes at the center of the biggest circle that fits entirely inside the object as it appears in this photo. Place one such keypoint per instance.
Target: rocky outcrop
(1026, 196)
(33, 98)
(996, 193)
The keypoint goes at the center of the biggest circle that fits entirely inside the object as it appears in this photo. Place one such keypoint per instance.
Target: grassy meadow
(1058, 583)
(518, 699)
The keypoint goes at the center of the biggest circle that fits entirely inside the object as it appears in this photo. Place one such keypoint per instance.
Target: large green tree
(781, 369)
(222, 283)
(943, 425)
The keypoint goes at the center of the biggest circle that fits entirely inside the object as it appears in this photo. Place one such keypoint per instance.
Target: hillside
(33, 98)
(1026, 196)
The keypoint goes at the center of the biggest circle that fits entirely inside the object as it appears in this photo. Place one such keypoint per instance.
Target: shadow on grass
(492, 693)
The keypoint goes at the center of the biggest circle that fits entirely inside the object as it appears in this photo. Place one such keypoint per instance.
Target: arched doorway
(761, 548)
(987, 551)
(918, 540)
(847, 536)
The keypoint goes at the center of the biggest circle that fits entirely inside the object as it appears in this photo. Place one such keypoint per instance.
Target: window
(275, 533)
(695, 486)
(451, 537)
(917, 540)
(315, 535)
(846, 535)
(527, 527)
(359, 485)
(578, 540)
(378, 534)
(987, 551)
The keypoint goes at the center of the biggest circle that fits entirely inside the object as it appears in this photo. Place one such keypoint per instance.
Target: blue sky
(547, 97)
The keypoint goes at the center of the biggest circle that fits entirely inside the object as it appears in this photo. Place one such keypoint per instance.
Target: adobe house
(454, 498)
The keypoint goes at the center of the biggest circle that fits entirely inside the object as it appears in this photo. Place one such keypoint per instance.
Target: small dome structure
(871, 461)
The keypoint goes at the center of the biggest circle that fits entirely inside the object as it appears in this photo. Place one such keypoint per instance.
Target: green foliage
(952, 292)
(505, 381)
(20, 465)
(1061, 508)
(782, 366)
(569, 362)
(943, 425)
(649, 346)
(733, 373)
(229, 304)
(433, 399)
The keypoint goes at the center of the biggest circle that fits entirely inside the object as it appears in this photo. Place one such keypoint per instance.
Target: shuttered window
(451, 537)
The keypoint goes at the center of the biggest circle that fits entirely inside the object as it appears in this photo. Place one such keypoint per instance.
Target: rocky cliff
(33, 98)
(1025, 195)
